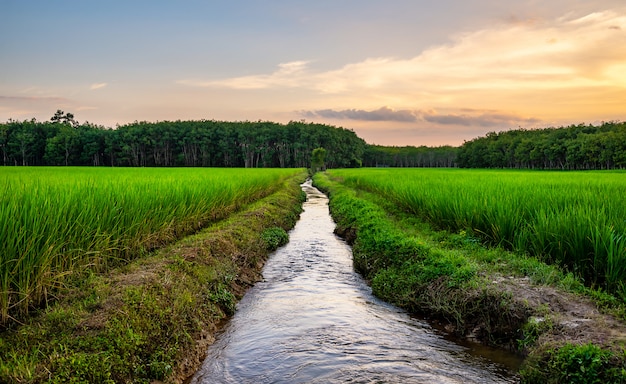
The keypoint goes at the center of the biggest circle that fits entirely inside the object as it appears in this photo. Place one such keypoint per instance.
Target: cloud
(288, 74)
(381, 114)
(482, 119)
(564, 55)
(28, 99)
(85, 108)
(569, 66)
(97, 86)
(460, 117)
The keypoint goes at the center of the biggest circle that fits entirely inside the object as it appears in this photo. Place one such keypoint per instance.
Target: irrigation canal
(314, 320)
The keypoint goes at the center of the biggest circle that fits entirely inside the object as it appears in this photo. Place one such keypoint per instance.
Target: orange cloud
(550, 69)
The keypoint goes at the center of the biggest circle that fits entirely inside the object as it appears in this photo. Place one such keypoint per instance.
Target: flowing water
(314, 320)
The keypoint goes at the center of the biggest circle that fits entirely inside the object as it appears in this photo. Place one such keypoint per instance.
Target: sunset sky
(396, 72)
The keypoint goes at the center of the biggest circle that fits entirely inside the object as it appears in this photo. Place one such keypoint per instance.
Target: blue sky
(397, 72)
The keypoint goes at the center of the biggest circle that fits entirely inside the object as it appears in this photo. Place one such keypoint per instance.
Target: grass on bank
(448, 276)
(151, 319)
(61, 222)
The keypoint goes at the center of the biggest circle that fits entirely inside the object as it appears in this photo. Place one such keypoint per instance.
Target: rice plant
(574, 219)
(55, 222)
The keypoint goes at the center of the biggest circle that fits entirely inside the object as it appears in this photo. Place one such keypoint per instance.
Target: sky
(397, 72)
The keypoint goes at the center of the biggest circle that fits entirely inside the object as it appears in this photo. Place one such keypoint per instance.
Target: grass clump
(274, 238)
(576, 364)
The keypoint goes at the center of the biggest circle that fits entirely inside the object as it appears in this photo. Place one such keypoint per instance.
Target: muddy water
(314, 320)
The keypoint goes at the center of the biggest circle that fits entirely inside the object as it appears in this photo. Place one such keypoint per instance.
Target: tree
(61, 147)
(25, 141)
(318, 156)
(62, 117)
(4, 140)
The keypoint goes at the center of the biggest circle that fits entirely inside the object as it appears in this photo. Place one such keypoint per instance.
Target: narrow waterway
(314, 320)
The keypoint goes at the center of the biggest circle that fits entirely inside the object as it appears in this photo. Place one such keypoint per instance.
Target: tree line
(575, 147)
(205, 143)
(408, 156)
(211, 143)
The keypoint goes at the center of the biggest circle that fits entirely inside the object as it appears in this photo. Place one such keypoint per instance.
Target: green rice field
(573, 219)
(57, 222)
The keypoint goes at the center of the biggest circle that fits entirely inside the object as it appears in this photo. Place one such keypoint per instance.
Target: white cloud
(86, 108)
(95, 86)
(290, 74)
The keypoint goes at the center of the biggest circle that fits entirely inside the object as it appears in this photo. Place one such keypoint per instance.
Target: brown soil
(574, 318)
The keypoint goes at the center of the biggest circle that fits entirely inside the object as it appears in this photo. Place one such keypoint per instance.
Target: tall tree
(62, 117)
(318, 157)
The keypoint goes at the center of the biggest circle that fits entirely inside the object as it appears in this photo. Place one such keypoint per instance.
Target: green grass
(575, 364)
(152, 319)
(572, 219)
(58, 222)
(452, 277)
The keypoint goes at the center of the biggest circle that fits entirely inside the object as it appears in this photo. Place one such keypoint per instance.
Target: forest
(264, 144)
(204, 143)
(409, 156)
(575, 147)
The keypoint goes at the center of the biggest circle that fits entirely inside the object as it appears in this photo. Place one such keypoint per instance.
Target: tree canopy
(573, 147)
(211, 143)
(408, 156)
(206, 143)
(318, 159)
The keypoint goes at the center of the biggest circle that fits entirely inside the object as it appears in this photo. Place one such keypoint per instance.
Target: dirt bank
(573, 317)
(568, 337)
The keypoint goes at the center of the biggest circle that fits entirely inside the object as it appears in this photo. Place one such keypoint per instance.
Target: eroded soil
(571, 318)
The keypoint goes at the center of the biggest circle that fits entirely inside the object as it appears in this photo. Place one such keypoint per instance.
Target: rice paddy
(58, 222)
(573, 219)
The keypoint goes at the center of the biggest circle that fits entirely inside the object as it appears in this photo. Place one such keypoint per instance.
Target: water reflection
(314, 320)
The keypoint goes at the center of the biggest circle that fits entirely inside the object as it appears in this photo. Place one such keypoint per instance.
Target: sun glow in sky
(398, 72)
